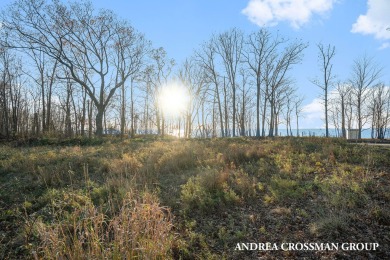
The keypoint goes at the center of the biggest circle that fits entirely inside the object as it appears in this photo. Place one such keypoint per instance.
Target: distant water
(366, 133)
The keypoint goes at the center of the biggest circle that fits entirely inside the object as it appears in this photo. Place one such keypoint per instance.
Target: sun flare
(173, 100)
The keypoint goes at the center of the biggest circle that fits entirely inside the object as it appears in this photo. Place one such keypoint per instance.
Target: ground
(192, 199)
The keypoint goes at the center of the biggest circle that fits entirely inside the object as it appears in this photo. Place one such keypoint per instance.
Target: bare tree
(325, 56)
(298, 110)
(45, 78)
(229, 45)
(5, 81)
(290, 99)
(206, 56)
(365, 73)
(275, 76)
(72, 34)
(130, 51)
(281, 101)
(343, 90)
(66, 106)
(160, 71)
(243, 104)
(380, 111)
(193, 77)
(259, 46)
(10, 92)
(349, 109)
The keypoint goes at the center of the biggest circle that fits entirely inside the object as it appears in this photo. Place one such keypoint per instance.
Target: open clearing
(191, 199)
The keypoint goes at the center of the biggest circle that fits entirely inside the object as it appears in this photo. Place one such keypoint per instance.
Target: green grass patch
(154, 198)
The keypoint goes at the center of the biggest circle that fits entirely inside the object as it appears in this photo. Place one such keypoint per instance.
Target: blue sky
(355, 27)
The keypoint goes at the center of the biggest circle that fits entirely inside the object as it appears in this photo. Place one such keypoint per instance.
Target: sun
(173, 100)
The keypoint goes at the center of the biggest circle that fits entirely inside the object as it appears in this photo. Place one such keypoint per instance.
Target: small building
(353, 134)
(112, 131)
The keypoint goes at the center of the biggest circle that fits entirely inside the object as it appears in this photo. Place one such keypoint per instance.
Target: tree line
(69, 70)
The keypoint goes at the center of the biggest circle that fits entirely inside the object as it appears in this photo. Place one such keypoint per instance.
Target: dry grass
(141, 229)
(189, 199)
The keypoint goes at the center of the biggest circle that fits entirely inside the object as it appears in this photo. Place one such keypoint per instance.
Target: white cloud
(313, 114)
(375, 21)
(296, 12)
(384, 45)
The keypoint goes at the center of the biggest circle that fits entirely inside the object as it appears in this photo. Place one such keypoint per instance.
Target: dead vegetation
(191, 199)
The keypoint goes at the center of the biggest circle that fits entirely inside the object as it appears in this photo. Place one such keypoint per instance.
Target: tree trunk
(43, 103)
(226, 109)
(83, 112)
(272, 118)
(123, 111)
(49, 96)
(258, 108)
(343, 131)
(133, 116)
(234, 109)
(68, 123)
(99, 121)
(326, 113)
(359, 118)
(264, 112)
(214, 121)
(243, 112)
(220, 110)
(89, 105)
(158, 121)
(162, 124)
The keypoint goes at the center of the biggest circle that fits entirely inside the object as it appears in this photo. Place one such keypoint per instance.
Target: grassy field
(191, 199)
